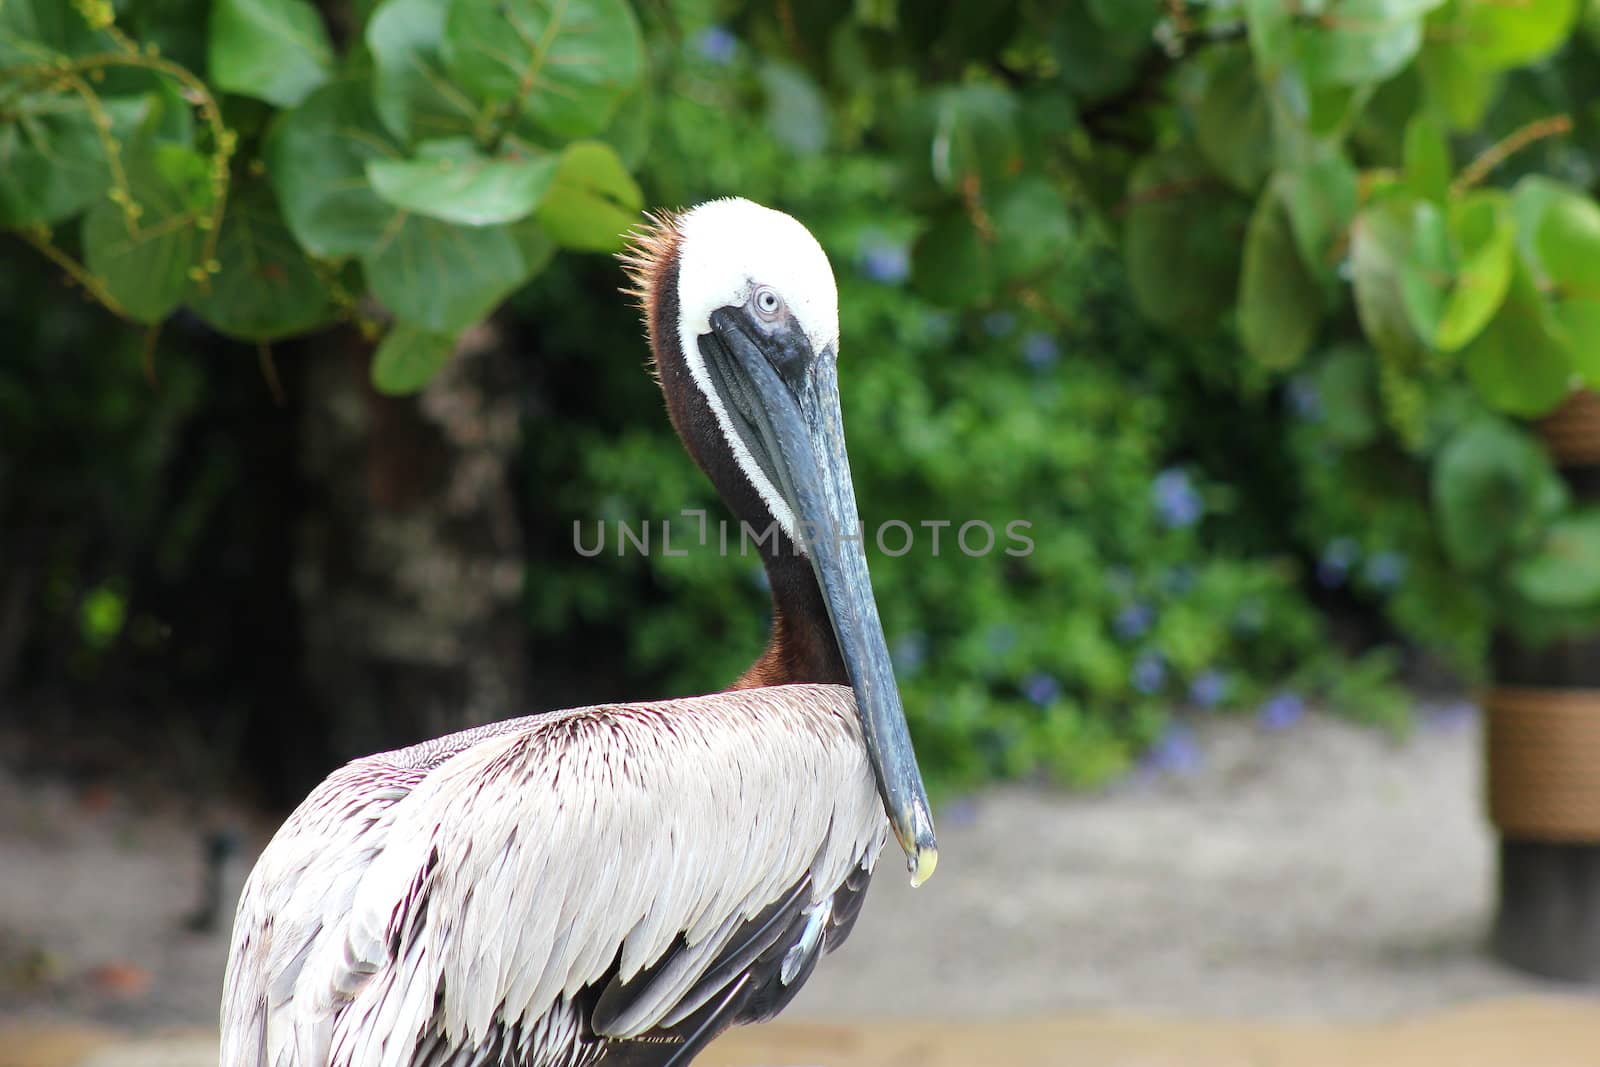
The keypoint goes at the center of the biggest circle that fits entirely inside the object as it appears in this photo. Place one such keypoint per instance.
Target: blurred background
(1275, 321)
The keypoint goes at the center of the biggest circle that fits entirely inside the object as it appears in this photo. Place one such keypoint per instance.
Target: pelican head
(744, 325)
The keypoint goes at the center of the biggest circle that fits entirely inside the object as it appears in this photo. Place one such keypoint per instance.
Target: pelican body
(618, 884)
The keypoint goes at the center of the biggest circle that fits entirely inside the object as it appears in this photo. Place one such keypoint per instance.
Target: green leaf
(1352, 41)
(146, 269)
(1459, 267)
(317, 156)
(266, 288)
(157, 114)
(1531, 199)
(414, 95)
(408, 358)
(1182, 240)
(1380, 246)
(36, 30)
(1493, 35)
(440, 276)
(1130, 20)
(272, 50)
(1427, 159)
(1565, 570)
(1280, 301)
(1032, 228)
(1347, 396)
(1521, 363)
(797, 112)
(1428, 269)
(565, 64)
(455, 182)
(1232, 118)
(1320, 196)
(1457, 90)
(1095, 59)
(629, 132)
(1484, 235)
(1494, 489)
(535, 245)
(975, 135)
(1568, 243)
(52, 165)
(951, 265)
(1270, 24)
(593, 200)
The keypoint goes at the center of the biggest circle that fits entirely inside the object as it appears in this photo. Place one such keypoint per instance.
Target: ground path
(1317, 894)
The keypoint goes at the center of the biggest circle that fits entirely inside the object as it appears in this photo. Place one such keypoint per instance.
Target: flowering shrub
(1069, 660)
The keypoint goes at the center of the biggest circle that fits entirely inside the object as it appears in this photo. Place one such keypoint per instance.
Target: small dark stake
(1549, 917)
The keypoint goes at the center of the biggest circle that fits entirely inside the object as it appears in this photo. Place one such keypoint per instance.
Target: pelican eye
(768, 304)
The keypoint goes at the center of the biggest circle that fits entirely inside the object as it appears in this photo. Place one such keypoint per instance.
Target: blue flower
(1386, 570)
(1455, 715)
(1041, 689)
(1177, 501)
(1304, 400)
(1338, 557)
(759, 579)
(1149, 673)
(909, 653)
(1282, 710)
(1134, 620)
(717, 45)
(1040, 351)
(999, 323)
(885, 261)
(1177, 752)
(1208, 689)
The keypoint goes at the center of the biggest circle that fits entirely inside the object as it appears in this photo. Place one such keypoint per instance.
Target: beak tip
(915, 831)
(921, 862)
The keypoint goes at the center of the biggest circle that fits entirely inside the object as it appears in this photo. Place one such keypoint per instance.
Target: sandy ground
(1520, 1033)
(1320, 874)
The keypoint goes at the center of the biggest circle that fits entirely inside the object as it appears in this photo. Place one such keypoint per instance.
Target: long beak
(795, 419)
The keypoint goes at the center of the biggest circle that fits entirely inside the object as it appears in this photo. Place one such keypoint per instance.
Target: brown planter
(1543, 746)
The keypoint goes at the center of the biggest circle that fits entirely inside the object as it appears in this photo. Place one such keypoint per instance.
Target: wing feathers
(511, 868)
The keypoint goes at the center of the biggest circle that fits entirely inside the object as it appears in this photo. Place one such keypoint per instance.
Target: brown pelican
(618, 884)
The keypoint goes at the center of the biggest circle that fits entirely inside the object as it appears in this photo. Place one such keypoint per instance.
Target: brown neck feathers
(802, 646)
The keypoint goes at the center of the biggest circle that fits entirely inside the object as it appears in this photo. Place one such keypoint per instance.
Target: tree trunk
(409, 560)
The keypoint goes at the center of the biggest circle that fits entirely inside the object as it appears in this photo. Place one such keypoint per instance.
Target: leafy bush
(1068, 660)
(1387, 198)
(1361, 233)
(431, 165)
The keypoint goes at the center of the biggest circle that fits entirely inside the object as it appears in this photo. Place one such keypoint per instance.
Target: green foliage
(443, 158)
(592, 198)
(1052, 405)
(273, 50)
(1279, 297)
(408, 358)
(1493, 490)
(453, 181)
(1363, 233)
(1352, 186)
